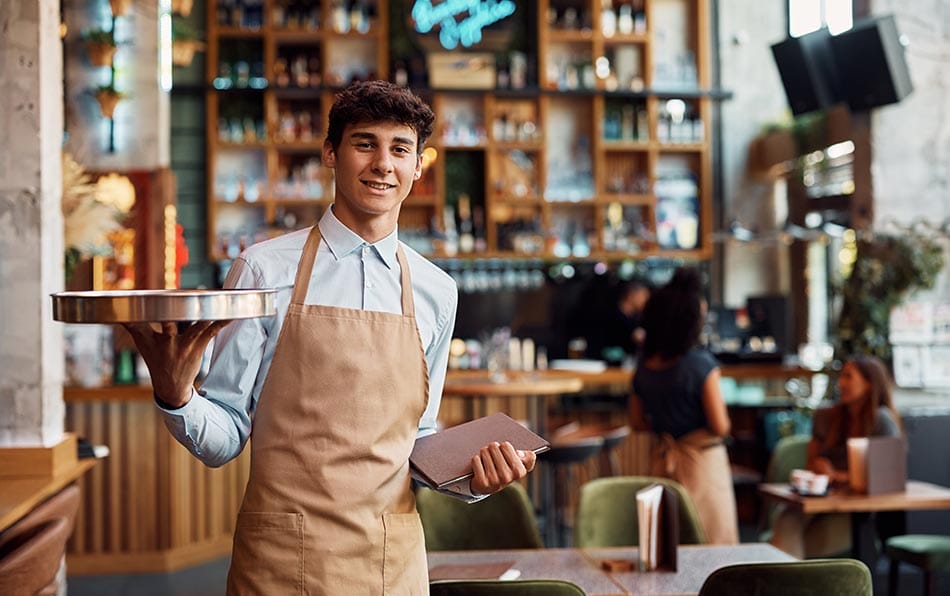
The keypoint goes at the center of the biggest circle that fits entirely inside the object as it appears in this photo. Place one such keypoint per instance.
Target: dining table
(603, 571)
(916, 496)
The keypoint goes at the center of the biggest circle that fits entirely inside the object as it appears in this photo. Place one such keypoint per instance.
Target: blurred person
(677, 397)
(864, 408)
(614, 330)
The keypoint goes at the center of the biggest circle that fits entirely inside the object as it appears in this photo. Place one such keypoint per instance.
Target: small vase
(120, 7)
(182, 7)
(183, 51)
(100, 54)
(107, 102)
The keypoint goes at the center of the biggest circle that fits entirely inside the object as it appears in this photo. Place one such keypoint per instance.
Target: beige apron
(328, 507)
(698, 461)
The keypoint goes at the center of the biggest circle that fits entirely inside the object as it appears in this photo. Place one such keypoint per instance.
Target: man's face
(375, 166)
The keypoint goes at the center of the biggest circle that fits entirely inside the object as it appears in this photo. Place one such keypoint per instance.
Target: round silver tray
(139, 306)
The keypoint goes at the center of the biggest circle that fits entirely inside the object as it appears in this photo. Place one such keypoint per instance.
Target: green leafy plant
(99, 36)
(184, 30)
(887, 269)
(109, 90)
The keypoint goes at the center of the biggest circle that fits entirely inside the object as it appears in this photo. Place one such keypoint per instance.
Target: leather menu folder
(446, 457)
(658, 527)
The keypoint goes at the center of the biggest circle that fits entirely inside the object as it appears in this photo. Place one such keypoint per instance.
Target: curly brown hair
(673, 316)
(379, 101)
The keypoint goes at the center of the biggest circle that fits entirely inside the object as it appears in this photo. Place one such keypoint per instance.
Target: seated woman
(864, 408)
(677, 396)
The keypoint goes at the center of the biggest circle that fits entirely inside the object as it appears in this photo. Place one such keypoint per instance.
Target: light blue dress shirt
(350, 273)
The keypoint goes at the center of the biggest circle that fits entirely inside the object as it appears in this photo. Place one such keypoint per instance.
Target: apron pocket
(268, 554)
(404, 562)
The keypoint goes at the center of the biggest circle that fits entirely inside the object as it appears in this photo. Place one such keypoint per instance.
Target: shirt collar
(342, 241)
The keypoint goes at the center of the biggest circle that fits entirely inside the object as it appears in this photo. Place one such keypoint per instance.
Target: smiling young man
(338, 385)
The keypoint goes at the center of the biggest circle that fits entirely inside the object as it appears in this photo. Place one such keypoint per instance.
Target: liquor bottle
(608, 18)
(478, 219)
(627, 122)
(466, 237)
(451, 234)
(340, 17)
(625, 19)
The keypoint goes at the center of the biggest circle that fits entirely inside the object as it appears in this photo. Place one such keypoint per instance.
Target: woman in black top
(677, 396)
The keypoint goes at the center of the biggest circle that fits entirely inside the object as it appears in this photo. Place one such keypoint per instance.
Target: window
(805, 16)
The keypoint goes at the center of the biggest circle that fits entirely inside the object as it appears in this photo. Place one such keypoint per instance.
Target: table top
(583, 566)
(694, 564)
(20, 495)
(542, 382)
(918, 495)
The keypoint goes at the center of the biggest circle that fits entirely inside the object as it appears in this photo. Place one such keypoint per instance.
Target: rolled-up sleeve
(216, 423)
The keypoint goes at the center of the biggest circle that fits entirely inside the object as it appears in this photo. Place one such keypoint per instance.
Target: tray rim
(133, 306)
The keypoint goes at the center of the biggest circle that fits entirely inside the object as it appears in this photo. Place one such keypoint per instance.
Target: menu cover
(658, 525)
(446, 457)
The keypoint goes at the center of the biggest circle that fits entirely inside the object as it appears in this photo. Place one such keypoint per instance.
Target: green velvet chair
(828, 577)
(607, 512)
(790, 453)
(827, 534)
(525, 587)
(929, 552)
(503, 520)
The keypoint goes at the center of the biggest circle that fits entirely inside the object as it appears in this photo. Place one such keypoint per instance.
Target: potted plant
(101, 46)
(185, 42)
(108, 97)
(887, 268)
(120, 7)
(182, 7)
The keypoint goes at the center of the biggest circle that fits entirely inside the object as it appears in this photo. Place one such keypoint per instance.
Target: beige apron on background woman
(328, 508)
(698, 461)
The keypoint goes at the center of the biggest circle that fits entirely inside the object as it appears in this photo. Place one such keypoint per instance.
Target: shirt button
(369, 284)
(365, 250)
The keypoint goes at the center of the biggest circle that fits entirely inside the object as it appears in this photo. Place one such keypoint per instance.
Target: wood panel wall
(150, 506)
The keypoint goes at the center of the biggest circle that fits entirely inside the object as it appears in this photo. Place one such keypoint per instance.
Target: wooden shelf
(561, 124)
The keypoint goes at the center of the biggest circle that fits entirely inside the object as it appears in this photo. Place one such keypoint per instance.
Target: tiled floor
(204, 580)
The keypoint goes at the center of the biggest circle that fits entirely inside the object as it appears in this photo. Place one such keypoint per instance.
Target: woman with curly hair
(677, 397)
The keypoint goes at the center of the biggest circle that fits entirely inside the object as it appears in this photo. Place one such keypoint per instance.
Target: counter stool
(613, 438)
(560, 459)
(928, 551)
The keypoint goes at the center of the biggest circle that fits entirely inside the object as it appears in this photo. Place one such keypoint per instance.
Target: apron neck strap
(408, 306)
(305, 269)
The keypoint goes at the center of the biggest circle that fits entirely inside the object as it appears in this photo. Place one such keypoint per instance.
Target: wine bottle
(466, 238)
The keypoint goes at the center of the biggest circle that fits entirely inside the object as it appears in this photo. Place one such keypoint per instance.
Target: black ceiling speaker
(808, 71)
(871, 64)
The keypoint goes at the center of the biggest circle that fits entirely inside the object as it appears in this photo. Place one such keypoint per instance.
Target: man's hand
(173, 355)
(499, 464)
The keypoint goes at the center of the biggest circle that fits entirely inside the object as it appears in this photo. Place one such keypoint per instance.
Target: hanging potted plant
(185, 42)
(101, 46)
(120, 7)
(108, 97)
(182, 7)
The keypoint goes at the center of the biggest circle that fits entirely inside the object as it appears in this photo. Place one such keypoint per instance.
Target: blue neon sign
(454, 31)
